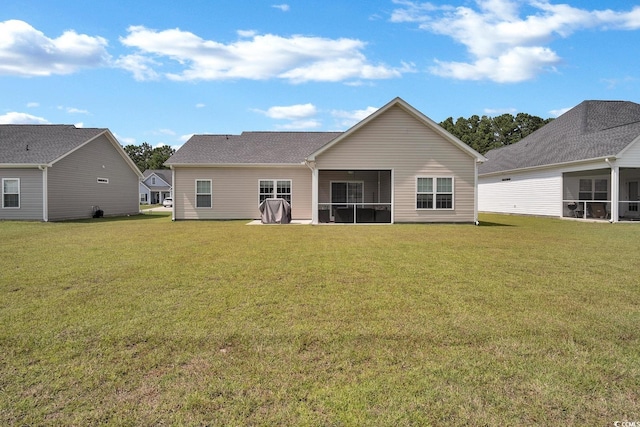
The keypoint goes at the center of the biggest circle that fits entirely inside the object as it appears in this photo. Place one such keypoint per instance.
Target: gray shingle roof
(41, 144)
(592, 129)
(165, 174)
(251, 148)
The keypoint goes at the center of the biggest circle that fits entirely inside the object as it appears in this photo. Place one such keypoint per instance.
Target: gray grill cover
(275, 211)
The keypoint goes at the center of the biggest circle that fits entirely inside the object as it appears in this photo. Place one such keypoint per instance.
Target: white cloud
(25, 51)
(559, 112)
(185, 138)
(125, 140)
(300, 125)
(499, 111)
(290, 112)
(300, 116)
(200, 105)
(72, 110)
(254, 56)
(15, 118)
(505, 46)
(346, 119)
(138, 65)
(282, 7)
(33, 104)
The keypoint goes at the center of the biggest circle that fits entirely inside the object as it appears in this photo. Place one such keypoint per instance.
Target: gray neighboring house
(585, 164)
(60, 172)
(155, 186)
(396, 165)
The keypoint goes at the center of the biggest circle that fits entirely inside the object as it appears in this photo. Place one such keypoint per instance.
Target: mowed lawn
(144, 321)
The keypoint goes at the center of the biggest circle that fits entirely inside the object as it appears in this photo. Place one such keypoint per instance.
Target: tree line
(147, 157)
(486, 133)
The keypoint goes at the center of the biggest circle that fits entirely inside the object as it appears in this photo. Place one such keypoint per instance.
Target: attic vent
(103, 180)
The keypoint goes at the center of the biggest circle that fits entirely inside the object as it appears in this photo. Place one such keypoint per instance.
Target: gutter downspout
(45, 193)
(475, 194)
(173, 203)
(615, 190)
(314, 190)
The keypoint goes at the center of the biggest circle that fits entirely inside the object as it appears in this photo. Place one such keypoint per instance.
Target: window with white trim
(11, 192)
(274, 188)
(203, 193)
(593, 189)
(434, 193)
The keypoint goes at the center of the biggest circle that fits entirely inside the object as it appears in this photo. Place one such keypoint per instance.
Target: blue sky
(160, 71)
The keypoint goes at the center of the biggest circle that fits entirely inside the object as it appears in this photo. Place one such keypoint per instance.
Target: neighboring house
(58, 172)
(584, 164)
(155, 186)
(396, 165)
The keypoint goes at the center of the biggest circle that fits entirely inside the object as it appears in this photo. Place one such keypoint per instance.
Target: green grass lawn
(144, 321)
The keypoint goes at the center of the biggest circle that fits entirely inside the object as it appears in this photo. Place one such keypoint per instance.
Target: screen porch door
(345, 193)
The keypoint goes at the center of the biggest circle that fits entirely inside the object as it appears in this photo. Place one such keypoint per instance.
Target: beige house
(396, 165)
(58, 172)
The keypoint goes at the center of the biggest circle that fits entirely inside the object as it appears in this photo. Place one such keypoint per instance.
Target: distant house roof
(41, 144)
(591, 130)
(164, 174)
(251, 148)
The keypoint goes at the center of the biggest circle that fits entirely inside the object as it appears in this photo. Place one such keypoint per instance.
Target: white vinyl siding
(235, 191)
(203, 193)
(397, 141)
(11, 193)
(526, 193)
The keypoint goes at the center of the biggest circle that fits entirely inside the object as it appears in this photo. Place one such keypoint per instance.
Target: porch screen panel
(585, 189)
(347, 192)
(600, 189)
(354, 192)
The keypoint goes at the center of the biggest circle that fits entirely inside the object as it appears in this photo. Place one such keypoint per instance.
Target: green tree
(147, 157)
(159, 156)
(486, 133)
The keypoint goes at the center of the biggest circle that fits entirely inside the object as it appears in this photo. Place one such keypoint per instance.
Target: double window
(593, 189)
(434, 193)
(10, 192)
(274, 188)
(203, 193)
